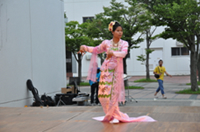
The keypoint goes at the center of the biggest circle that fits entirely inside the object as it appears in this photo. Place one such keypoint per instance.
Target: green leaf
(141, 58)
(149, 51)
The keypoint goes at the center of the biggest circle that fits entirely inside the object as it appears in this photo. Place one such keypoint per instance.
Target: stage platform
(79, 119)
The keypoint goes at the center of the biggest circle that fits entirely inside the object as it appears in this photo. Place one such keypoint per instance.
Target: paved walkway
(169, 88)
(145, 97)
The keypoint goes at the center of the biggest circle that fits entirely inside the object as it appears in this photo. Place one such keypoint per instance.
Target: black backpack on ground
(47, 100)
(38, 101)
(43, 101)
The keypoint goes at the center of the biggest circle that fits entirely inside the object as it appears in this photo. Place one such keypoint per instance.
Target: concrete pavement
(145, 97)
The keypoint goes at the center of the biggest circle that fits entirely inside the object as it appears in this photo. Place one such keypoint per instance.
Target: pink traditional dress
(111, 85)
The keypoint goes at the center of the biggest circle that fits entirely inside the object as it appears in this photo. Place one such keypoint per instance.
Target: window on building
(179, 51)
(87, 18)
(175, 51)
(184, 51)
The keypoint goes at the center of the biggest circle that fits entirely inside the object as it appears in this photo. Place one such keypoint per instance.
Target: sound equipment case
(66, 98)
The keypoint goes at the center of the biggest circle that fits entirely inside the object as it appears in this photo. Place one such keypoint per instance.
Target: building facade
(175, 56)
(32, 46)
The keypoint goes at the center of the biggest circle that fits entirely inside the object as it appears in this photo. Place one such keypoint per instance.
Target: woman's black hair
(116, 26)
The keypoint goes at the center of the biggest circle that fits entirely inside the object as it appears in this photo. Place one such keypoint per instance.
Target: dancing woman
(111, 85)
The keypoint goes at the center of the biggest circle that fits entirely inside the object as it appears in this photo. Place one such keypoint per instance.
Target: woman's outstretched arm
(98, 49)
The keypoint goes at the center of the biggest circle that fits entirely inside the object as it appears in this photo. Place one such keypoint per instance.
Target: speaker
(66, 98)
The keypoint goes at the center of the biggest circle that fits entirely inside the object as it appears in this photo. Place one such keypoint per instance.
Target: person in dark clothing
(95, 88)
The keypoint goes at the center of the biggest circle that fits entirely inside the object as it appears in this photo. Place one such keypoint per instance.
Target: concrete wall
(175, 65)
(31, 47)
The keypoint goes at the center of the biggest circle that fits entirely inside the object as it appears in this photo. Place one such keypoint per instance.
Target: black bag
(43, 101)
(66, 98)
(38, 101)
(47, 100)
(156, 75)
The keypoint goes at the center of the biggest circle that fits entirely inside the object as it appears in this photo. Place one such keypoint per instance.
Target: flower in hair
(110, 26)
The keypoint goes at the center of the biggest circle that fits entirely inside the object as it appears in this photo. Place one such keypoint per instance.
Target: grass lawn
(134, 87)
(130, 87)
(82, 84)
(190, 83)
(188, 91)
(146, 80)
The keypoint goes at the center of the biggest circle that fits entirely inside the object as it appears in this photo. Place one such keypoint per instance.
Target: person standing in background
(95, 88)
(160, 70)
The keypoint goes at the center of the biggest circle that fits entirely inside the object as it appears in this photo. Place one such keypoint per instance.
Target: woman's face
(118, 32)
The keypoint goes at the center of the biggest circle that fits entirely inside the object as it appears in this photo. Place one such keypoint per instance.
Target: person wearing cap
(95, 88)
(160, 70)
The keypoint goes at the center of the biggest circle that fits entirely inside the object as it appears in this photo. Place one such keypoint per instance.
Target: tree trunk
(80, 67)
(147, 57)
(147, 67)
(101, 56)
(193, 69)
(125, 65)
(198, 68)
(125, 70)
(102, 60)
(124, 61)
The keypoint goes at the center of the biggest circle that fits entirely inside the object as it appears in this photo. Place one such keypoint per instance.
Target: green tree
(181, 19)
(141, 58)
(128, 15)
(74, 38)
(149, 40)
(97, 30)
(148, 30)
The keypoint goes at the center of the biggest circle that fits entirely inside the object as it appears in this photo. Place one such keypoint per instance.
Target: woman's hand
(82, 50)
(109, 55)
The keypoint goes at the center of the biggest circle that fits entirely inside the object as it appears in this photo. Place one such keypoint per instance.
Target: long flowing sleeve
(98, 49)
(93, 62)
(123, 51)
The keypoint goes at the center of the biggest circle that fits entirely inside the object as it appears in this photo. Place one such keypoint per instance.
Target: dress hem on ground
(131, 119)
